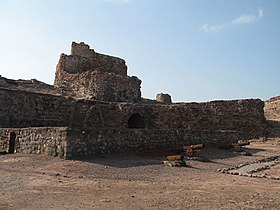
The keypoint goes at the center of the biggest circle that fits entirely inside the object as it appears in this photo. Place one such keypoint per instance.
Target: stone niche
(87, 74)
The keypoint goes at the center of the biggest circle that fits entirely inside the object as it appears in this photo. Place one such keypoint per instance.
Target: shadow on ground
(216, 153)
(157, 157)
(124, 160)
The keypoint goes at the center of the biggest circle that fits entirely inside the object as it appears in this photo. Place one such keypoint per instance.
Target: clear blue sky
(195, 50)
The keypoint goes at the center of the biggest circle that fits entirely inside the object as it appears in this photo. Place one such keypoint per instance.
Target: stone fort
(94, 107)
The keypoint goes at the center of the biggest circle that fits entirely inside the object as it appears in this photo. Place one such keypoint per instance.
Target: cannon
(174, 157)
(191, 151)
(238, 146)
(175, 160)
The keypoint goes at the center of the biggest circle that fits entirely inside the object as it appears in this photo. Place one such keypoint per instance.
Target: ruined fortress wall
(87, 74)
(86, 59)
(86, 142)
(272, 109)
(78, 63)
(48, 140)
(101, 86)
(245, 116)
(27, 109)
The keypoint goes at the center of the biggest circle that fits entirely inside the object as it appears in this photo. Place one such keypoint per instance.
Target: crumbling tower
(91, 75)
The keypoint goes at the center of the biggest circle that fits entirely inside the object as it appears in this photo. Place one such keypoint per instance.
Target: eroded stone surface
(87, 74)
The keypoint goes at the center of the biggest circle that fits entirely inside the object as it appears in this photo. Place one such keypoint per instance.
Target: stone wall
(82, 58)
(272, 109)
(101, 86)
(245, 116)
(104, 111)
(86, 142)
(71, 143)
(32, 85)
(27, 109)
(88, 74)
(47, 140)
(164, 98)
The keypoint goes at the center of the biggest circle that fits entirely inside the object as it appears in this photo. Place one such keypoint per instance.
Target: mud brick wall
(48, 140)
(88, 74)
(98, 141)
(27, 109)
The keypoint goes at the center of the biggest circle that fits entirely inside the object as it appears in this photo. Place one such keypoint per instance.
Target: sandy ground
(137, 182)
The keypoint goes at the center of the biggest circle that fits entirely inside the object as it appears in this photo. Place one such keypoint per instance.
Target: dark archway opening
(136, 121)
(12, 143)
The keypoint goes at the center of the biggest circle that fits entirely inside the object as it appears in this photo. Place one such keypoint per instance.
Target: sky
(194, 50)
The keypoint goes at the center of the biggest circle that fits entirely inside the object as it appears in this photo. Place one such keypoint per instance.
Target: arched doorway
(136, 121)
(12, 143)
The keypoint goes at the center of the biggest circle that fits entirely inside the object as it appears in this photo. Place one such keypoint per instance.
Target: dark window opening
(136, 121)
(12, 143)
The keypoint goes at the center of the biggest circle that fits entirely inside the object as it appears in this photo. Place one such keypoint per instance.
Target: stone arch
(136, 121)
(12, 143)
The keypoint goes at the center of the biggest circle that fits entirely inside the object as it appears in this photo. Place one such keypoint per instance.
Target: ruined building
(94, 107)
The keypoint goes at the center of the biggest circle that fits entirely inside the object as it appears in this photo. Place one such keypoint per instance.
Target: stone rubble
(250, 169)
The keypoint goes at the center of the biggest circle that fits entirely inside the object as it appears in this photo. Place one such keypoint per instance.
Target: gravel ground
(137, 181)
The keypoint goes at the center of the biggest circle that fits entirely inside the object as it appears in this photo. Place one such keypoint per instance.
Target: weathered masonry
(95, 108)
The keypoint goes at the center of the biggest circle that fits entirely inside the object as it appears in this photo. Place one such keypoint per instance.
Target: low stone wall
(47, 140)
(98, 141)
(72, 143)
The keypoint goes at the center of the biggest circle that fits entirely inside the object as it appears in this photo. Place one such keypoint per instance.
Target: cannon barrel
(241, 144)
(194, 147)
(197, 146)
(244, 143)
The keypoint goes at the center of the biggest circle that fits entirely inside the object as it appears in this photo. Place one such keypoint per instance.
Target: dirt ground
(127, 181)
